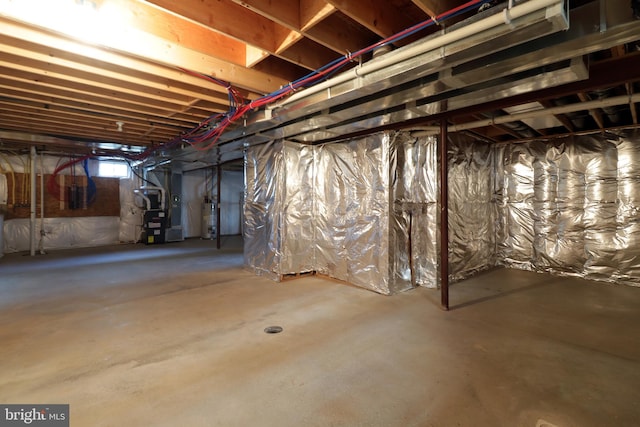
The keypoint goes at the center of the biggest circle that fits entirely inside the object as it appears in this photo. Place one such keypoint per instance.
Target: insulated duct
(510, 118)
(415, 87)
(175, 231)
(403, 69)
(526, 21)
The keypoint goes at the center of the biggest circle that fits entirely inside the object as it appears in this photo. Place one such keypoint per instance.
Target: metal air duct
(477, 59)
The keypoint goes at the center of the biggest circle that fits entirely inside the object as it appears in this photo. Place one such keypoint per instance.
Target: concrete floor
(172, 335)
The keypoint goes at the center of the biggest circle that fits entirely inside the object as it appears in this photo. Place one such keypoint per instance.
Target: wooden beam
(618, 51)
(310, 53)
(229, 18)
(379, 16)
(336, 34)
(226, 17)
(283, 12)
(72, 132)
(279, 67)
(39, 121)
(10, 93)
(255, 23)
(434, 8)
(65, 52)
(561, 117)
(595, 113)
(84, 114)
(285, 39)
(312, 12)
(45, 72)
(30, 138)
(299, 18)
(91, 94)
(67, 62)
(60, 115)
(134, 42)
(254, 56)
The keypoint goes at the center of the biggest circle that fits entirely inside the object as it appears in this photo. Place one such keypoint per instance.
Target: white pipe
(589, 105)
(32, 222)
(147, 200)
(421, 48)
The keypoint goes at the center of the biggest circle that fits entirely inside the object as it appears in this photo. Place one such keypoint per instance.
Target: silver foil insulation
(365, 211)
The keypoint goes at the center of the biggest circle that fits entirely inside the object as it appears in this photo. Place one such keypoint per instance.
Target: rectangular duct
(485, 33)
(175, 231)
(332, 114)
(435, 101)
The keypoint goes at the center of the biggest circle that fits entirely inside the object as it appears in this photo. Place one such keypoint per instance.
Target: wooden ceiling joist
(148, 53)
(59, 116)
(379, 16)
(312, 12)
(57, 80)
(596, 114)
(54, 60)
(434, 8)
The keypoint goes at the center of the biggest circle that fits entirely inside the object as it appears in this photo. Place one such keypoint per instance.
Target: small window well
(113, 169)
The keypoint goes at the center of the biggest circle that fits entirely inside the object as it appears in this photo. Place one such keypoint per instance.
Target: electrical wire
(52, 184)
(207, 133)
(91, 185)
(140, 177)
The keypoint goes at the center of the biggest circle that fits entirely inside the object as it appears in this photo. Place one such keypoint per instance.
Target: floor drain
(273, 329)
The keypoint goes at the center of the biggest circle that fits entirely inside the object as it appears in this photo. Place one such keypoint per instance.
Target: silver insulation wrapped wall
(353, 213)
(262, 208)
(473, 213)
(571, 207)
(366, 211)
(415, 209)
(325, 209)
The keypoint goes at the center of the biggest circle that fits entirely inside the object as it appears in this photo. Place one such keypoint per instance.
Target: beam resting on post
(444, 216)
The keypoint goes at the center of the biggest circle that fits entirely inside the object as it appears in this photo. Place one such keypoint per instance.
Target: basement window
(113, 169)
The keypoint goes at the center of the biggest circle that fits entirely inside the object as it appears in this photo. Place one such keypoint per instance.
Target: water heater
(209, 228)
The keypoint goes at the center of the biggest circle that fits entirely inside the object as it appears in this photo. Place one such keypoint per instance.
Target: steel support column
(218, 200)
(444, 215)
(32, 216)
